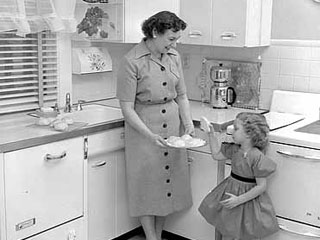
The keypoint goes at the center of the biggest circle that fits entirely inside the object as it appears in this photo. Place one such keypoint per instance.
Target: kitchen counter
(19, 130)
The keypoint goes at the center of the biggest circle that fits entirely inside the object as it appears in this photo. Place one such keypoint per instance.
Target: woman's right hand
(158, 140)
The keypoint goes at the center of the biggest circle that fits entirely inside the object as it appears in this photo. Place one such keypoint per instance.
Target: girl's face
(239, 135)
(166, 41)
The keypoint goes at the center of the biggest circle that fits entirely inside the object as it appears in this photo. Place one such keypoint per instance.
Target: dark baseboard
(139, 231)
(172, 236)
(130, 234)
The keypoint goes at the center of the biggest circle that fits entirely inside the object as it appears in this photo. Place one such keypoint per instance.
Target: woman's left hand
(231, 202)
(189, 129)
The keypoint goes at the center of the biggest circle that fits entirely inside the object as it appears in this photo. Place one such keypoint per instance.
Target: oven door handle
(288, 154)
(308, 234)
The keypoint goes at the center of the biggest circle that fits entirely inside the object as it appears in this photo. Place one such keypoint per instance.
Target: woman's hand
(158, 140)
(231, 202)
(189, 129)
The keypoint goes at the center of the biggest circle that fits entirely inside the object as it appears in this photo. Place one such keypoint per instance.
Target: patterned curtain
(32, 16)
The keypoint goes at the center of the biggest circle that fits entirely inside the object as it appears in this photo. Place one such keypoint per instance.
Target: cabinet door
(101, 185)
(112, 25)
(136, 11)
(241, 23)
(189, 223)
(44, 187)
(124, 223)
(198, 17)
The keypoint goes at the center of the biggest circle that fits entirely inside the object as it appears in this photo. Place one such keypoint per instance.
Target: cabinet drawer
(106, 141)
(69, 231)
(44, 187)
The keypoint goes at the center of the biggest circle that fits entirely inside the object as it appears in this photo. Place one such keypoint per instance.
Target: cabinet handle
(195, 34)
(228, 35)
(288, 154)
(190, 160)
(308, 234)
(49, 157)
(122, 135)
(99, 164)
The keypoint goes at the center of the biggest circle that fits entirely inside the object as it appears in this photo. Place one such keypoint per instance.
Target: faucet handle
(79, 105)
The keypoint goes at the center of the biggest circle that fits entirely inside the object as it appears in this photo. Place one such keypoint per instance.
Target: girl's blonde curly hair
(257, 128)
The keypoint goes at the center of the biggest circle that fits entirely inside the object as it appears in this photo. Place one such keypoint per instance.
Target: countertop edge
(31, 142)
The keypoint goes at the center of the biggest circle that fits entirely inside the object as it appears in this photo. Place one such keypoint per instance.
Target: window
(28, 71)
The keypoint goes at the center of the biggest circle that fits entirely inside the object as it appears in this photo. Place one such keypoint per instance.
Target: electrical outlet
(186, 60)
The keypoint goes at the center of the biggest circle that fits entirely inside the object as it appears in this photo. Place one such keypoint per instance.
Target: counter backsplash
(245, 79)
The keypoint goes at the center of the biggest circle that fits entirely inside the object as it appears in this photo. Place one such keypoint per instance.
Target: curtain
(32, 16)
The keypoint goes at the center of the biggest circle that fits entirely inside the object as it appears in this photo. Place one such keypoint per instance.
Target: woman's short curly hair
(161, 22)
(256, 127)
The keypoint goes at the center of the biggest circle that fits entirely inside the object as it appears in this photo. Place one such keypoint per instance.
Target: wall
(290, 64)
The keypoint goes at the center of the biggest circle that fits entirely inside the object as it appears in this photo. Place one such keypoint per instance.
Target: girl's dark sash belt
(243, 179)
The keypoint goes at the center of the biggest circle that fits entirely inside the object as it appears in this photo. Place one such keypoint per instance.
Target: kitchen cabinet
(42, 188)
(111, 28)
(136, 11)
(107, 201)
(125, 18)
(203, 174)
(227, 23)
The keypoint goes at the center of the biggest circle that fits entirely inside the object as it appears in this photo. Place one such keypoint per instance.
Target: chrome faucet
(68, 107)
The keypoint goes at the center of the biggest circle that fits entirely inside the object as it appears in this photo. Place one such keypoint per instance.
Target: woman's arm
(132, 118)
(185, 113)
(234, 200)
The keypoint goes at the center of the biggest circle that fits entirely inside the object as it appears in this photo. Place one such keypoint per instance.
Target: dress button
(162, 68)
(163, 111)
(164, 125)
(165, 99)
(168, 181)
(167, 167)
(166, 153)
(169, 194)
(164, 83)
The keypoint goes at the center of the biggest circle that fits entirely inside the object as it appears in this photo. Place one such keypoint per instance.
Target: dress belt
(243, 179)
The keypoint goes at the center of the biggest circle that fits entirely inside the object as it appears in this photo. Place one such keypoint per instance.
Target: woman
(154, 103)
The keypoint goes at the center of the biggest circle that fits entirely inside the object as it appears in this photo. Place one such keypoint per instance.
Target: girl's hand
(231, 202)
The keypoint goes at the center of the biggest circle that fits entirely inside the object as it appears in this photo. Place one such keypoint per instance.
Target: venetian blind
(28, 71)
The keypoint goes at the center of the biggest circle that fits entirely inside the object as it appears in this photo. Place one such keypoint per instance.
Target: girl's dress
(253, 219)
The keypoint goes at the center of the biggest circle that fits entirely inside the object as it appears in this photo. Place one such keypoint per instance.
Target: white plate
(192, 143)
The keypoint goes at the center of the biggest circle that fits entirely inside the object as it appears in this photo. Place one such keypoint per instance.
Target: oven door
(294, 187)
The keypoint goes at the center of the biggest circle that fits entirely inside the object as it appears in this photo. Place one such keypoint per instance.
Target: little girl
(239, 207)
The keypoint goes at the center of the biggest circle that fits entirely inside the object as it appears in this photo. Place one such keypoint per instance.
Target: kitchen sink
(91, 114)
(312, 128)
(95, 114)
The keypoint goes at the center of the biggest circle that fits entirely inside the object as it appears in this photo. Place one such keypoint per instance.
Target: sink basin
(312, 128)
(95, 114)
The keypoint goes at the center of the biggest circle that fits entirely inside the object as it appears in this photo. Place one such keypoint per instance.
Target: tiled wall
(287, 65)
(290, 65)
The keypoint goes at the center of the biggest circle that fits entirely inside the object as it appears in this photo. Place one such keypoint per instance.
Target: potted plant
(93, 23)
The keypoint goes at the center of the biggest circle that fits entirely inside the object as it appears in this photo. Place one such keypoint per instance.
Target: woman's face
(164, 42)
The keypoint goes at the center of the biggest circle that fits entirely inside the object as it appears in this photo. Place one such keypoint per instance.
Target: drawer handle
(288, 154)
(195, 34)
(228, 35)
(49, 157)
(308, 234)
(99, 164)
